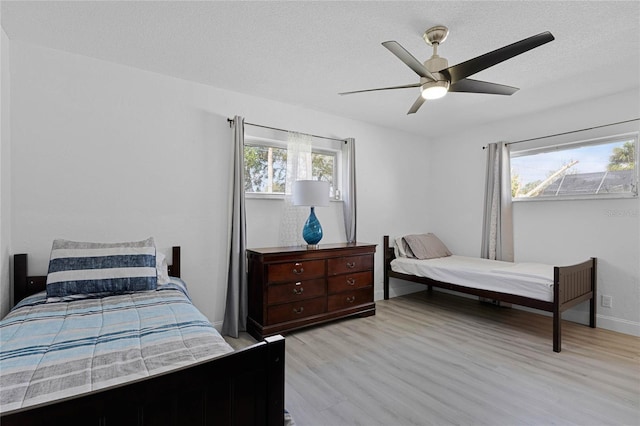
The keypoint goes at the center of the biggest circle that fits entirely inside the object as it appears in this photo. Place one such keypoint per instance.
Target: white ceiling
(304, 53)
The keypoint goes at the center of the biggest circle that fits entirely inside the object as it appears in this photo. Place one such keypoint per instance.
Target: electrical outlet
(607, 301)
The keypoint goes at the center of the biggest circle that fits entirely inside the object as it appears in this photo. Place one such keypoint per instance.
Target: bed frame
(572, 285)
(245, 387)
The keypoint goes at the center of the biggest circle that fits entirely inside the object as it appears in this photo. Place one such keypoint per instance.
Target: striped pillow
(101, 268)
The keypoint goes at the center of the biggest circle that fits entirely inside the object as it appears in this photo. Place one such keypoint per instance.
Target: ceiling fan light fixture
(435, 89)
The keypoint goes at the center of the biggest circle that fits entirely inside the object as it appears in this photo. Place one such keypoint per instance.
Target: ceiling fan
(437, 77)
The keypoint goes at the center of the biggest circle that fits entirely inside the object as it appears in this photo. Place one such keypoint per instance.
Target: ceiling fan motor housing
(435, 64)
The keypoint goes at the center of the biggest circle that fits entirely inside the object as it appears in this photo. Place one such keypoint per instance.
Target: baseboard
(618, 324)
(399, 289)
(581, 316)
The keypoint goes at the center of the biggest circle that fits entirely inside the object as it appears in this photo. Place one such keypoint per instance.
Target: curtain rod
(573, 131)
(230, 120)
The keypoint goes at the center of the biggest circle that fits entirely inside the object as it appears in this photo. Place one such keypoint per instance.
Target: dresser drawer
(295, 310)
(341, 265)
(347, 282)
(348, 299)
(297, 290)
(295, 271)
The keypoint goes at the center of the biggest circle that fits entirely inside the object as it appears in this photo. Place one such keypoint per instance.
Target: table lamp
(314, 193)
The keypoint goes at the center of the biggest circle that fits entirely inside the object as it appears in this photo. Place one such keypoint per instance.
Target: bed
(176, 371)
(548, 288)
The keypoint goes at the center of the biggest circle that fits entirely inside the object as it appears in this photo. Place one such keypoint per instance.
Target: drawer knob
(298, 290)
(351, 281)
(351, 265)
(297, 268)
(298, 310)
(351, 299)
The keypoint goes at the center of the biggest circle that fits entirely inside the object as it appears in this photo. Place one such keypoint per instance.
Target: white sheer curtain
(236, 309)
(349, 190)
(299, 167)
(497, 231)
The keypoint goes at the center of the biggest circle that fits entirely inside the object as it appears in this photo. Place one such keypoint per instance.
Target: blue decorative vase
(312, 231)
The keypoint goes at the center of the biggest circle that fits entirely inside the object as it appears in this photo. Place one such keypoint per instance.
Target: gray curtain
(497, 230)
(349, 188)
(235, 314)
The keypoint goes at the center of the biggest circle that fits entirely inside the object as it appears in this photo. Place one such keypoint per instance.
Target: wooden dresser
(293, 287)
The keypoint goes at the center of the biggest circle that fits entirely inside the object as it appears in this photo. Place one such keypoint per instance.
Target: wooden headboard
(25, 285)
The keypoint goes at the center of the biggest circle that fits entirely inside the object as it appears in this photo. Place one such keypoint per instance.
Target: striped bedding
(50, 351)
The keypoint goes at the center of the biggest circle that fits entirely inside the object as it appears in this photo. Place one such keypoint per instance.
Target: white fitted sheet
(534, 280)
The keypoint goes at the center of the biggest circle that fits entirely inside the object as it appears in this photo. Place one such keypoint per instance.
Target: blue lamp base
(312, 231)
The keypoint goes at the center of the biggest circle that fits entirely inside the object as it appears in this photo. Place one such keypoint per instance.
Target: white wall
(105, 152)
(5, 176)
(556, 232)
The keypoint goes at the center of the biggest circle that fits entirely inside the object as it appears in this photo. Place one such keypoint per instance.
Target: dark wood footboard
(572, 285)
(245, 387)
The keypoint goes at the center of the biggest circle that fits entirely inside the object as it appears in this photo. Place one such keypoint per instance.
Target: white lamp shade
(310, 193)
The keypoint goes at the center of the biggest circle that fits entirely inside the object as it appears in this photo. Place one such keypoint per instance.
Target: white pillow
(162, 268)
(401, 248)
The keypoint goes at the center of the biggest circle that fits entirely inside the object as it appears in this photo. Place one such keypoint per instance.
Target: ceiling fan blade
(465, 69)
(406, 86)
(476, 86)
(416, 105)
(406, 57)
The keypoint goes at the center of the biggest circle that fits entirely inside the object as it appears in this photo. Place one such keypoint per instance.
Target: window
(265, 171)
(600, 168)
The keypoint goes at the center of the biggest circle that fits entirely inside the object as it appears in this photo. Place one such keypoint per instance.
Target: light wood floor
(439, 359)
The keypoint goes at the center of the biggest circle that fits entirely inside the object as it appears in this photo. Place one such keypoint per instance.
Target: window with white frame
(265, 171)
(605, 167)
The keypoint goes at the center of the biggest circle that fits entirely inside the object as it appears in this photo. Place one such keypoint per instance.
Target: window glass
(323, 166)
(265, 168)
(590, 169)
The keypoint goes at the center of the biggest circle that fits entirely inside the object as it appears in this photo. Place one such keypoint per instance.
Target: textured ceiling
(304, 53)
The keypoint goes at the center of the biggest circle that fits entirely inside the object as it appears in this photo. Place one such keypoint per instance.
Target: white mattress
(534, 280)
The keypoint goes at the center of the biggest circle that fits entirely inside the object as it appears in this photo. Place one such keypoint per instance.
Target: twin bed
(136, 356)
(539, 286)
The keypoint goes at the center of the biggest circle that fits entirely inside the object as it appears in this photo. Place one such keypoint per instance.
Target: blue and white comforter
(55, 350)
